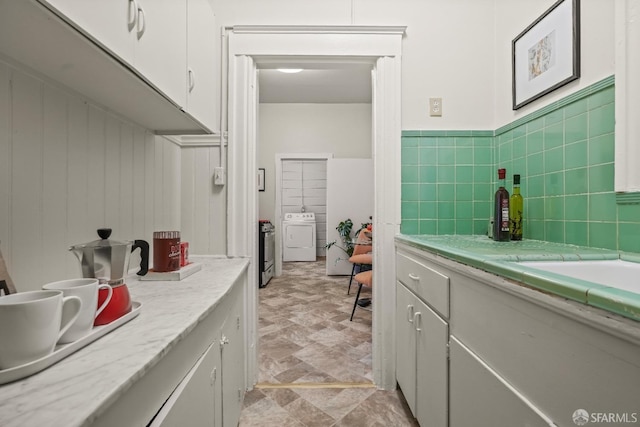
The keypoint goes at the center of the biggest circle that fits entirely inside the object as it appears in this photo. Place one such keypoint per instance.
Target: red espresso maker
(108, 261)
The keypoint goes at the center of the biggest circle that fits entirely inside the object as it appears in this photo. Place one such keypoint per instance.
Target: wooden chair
(364, 279)
(361, 257)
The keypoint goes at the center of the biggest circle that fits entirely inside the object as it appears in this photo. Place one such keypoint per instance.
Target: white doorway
(380, 46)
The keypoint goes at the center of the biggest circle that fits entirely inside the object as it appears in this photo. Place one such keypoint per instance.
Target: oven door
(269, 249)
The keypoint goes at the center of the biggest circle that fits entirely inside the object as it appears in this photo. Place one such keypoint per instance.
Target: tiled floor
(315, 364)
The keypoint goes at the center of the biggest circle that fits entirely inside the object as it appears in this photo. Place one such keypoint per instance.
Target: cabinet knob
(414, 277)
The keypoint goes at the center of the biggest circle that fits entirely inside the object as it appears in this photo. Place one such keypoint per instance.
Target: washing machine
(299, 237)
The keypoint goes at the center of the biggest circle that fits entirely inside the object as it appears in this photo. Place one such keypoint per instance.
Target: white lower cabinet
(422, 372)
(478, 395)
(232, 346)
(212, 391)
(195, 398)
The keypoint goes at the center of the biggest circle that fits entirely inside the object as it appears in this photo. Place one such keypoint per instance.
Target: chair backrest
(362, 249)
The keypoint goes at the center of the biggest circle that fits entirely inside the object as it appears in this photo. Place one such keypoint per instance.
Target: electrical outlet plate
(435, 107)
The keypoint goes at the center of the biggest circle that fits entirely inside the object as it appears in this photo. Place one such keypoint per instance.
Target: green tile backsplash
(565, 155)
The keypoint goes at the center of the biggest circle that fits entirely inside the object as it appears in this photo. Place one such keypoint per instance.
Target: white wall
(204, 205)
(448, 50)
(458, 50)
(596, 45)
(341, 129)
(68, 168)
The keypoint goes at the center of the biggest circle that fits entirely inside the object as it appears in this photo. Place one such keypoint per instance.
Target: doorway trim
(381, 46)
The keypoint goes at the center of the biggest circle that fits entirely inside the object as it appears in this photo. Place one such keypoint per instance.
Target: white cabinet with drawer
(422, 336)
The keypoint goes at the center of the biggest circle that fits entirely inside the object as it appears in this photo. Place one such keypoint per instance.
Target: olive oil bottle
(501, 210)
(516, 206)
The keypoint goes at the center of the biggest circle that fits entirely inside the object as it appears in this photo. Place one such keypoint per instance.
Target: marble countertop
(74, 391)
(500, 258)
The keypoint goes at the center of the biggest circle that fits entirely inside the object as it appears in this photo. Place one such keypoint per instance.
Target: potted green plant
(345, 229)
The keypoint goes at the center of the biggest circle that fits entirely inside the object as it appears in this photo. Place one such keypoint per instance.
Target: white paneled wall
(67, 168)
(204, 211)
(304, 185)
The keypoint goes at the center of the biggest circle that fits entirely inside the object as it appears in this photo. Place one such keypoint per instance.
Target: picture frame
(261, 179)
(546, 55)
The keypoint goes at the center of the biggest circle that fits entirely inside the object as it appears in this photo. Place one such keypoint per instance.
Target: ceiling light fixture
(290, 70)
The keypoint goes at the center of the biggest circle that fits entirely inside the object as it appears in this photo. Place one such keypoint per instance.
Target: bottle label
(504, 217)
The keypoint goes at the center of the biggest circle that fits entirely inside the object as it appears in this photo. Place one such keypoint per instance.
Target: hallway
(315, 364)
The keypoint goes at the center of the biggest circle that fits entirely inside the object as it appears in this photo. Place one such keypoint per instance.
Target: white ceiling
(318, 83)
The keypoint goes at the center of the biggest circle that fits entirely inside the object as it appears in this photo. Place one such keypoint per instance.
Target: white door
(349, 196)
(304, 189)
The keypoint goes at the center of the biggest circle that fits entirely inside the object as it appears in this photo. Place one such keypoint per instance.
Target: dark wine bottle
(501, 210)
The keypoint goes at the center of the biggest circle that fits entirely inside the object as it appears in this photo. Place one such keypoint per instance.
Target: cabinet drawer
(428, 284)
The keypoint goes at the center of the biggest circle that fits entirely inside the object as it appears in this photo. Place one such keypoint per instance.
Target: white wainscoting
(204, 206)
(67, 168)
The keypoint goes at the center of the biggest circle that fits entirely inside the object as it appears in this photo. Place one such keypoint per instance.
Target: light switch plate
(435, 107)
(218, 176)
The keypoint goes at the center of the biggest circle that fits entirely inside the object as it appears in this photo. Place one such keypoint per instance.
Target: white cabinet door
(479, 396)
(161, 50)
(432, 336)
(109, 22)
(202, 69)
(406, 345)
(194, 400)
(233, 363)
(148, 35)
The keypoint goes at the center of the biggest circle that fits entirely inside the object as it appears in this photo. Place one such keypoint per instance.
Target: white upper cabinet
(201, 72)
(161, 48)
(127, 56)
(111, 24)
(148, 35)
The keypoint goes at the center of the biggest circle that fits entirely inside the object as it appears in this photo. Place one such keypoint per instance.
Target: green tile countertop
(500, 257)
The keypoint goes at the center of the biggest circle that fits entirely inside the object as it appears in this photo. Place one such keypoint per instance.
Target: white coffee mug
(87, 291)
(32, 324)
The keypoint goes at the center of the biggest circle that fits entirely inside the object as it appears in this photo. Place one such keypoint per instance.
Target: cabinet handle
(132, 14)
(213, 375)
(416, 320)
(142, 23)
(192, 80)
(414, 277)
(410, 313)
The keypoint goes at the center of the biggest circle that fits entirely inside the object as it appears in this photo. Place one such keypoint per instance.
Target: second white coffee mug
(87, 291)
(32, 323)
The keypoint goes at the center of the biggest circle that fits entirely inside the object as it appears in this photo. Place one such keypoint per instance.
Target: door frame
(381, 46)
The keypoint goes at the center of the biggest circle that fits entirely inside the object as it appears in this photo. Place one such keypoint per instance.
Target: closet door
(304, 189)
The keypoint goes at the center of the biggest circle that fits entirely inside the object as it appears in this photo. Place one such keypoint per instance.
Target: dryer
(299, 237)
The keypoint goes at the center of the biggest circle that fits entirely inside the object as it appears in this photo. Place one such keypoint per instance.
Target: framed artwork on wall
(261, 179)
(546, 55)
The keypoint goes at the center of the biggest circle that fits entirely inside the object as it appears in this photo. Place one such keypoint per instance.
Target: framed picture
(546, 55)
(261, 179)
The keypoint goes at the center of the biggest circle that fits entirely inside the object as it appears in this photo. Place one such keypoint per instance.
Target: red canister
(184, 253)
(166, 251)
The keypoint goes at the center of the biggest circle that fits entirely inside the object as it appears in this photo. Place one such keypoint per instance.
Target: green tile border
(447, 133)
(580, 94)
(576, 96)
